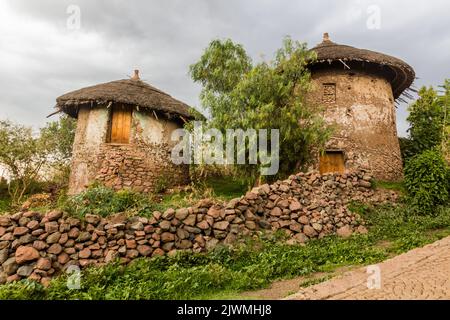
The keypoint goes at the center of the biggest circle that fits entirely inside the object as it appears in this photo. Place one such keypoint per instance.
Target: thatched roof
(132, 91)
(399, 73)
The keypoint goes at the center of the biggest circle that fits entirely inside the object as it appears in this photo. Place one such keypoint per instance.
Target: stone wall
(141, 165)
(364, 115)
(305, 206)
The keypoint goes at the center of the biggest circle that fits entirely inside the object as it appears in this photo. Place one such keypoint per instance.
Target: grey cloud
(162, 38)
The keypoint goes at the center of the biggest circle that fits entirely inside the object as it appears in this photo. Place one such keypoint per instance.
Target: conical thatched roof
(399, 73)
(132, 91)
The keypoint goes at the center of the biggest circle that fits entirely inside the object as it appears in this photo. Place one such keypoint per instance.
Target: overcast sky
(43, 54)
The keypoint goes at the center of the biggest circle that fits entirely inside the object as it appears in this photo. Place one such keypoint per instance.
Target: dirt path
(422, 273)
(283, 288)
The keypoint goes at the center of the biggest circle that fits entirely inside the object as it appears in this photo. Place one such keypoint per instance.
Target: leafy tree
(428, 120)
(427, 180)
(58, 137)
(22, 155)
(240, 94)
(28, 157)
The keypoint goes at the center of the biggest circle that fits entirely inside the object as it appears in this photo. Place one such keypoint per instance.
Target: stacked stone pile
(305, 206)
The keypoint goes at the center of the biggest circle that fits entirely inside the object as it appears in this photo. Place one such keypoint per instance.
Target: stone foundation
(305, 206)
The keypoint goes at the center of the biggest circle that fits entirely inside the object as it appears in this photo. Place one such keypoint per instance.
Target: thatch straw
(133, 92)
(399, 73)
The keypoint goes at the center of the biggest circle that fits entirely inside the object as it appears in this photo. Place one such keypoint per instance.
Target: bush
(427, 181)
(98, 199)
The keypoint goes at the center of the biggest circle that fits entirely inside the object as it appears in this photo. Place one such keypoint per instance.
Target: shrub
(98, 199)
(427, 181)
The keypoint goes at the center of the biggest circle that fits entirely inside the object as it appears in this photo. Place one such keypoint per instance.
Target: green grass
(389, 185)
(4, 205)
(225, 272)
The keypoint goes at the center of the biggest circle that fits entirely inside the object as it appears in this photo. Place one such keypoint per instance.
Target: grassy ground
(225, 272)
(4, 205)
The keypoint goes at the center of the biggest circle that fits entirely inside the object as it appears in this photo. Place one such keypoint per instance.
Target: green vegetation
(390, 185)
(427, 180)
(429, 122)
(226, 271)
(240, 94)
(98, 199)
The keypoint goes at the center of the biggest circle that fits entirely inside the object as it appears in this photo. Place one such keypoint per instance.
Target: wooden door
(332, 161)
(120, 124)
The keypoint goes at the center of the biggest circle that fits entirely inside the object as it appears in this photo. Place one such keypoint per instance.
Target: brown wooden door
(332, 161)
(120, 124)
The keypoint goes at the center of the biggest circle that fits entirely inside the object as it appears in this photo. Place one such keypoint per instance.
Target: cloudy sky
(43, 52)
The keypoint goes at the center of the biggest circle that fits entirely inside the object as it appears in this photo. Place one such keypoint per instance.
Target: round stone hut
(358, 89)
(123, 136)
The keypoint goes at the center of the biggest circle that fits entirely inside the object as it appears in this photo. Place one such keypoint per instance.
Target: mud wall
(141, 165)
(363, 113)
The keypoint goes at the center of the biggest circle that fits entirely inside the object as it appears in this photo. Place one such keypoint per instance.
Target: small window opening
(120, 124)
(329, 93)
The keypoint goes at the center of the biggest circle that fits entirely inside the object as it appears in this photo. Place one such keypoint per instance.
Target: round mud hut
(123, 136)
(358, 89)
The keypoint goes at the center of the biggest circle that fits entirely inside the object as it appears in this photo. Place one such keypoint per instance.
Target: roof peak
(135, 75)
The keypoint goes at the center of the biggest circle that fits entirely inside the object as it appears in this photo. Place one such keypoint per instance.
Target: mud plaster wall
(142, 165)
(364, 117)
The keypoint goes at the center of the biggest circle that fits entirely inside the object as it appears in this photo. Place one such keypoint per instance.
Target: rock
(190, 220)
(3, 277)
(39, 245)
(184, 244)
(364, 184)
(74, 233)
(92, 219)
(44, 264)
(51, 227)
(2, 231)
(211, 244)
(25, 271)
(317, 226)
(131, 243)
(276, 212)
(250, 225)
(85, 253)
(63, 258)
(309, 231)
(301, 237)
(111, 256)
(344, 232)
(26, 254)
(5, 221)
(144, 250)
(303, 220)
(204, 225)
(167, 237)
(10, 266)
(53, 238)
(168, 214)
(54, 215)
(181, 214)
(221, 225)
(18, 231)
(33, 225)
(296, 227)
(158, 252)
(295, 206)
(84, 236)
(215, 212)
(137, 226)
(55, 249)
(3, 255)
(165, 225)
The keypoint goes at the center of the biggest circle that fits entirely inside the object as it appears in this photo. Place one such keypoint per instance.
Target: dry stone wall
(305, 206)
